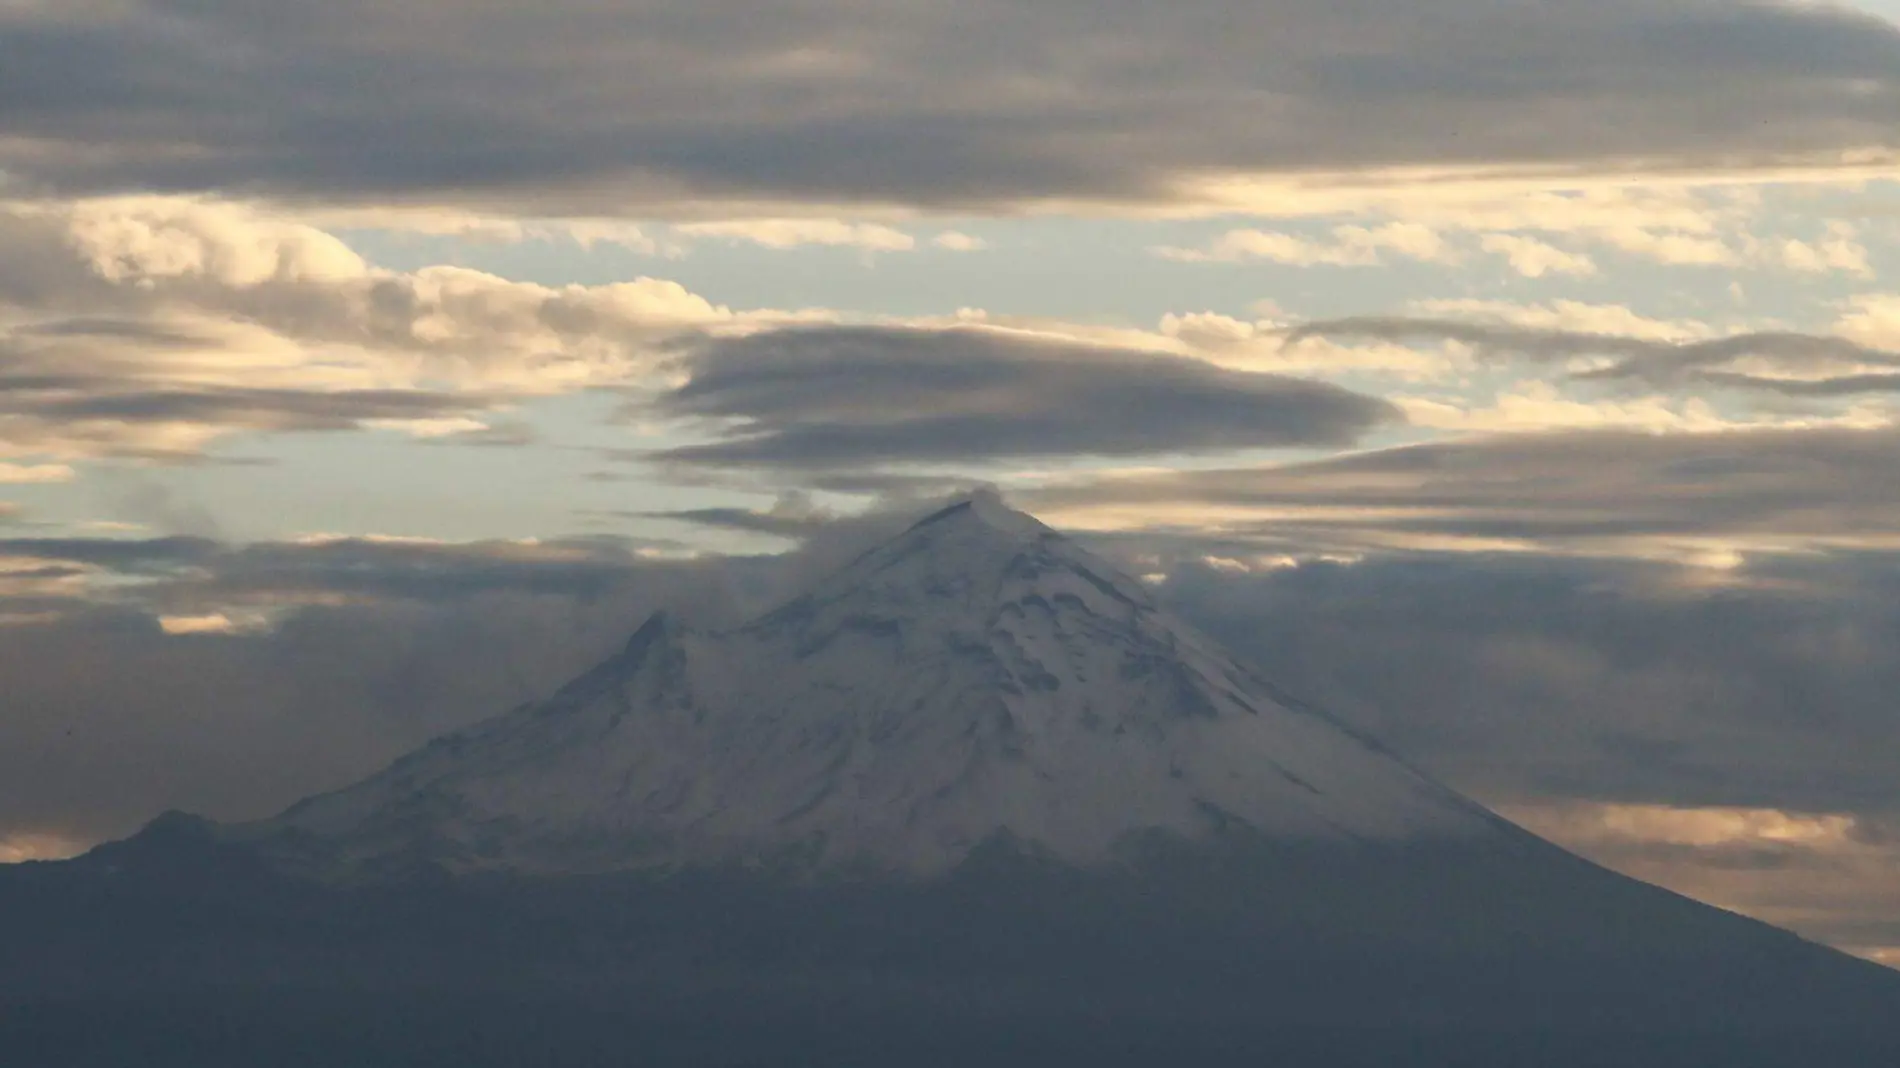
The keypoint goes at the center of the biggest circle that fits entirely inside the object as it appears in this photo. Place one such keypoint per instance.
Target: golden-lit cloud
(34, 473)
(1346, 246)
(788, 233)
(214, 623)
(1698, 828)
(1533, 258)
(22, 846)
(1816, 872)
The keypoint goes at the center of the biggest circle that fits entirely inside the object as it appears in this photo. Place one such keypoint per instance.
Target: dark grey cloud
(202, 573)
(1836, 386)
(1647, 360)
(134, 557)
(1536, 679)
(648, 102)
(869, 397)
(370, 648)
(1553, 686)
(1612, 491)
(793, 517)
(746, 521)
(265, 409)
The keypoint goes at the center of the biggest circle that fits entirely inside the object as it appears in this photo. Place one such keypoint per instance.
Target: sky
(1519, 378)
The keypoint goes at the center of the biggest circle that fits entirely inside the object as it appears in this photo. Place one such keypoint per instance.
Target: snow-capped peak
(977, 675)
(986, 506)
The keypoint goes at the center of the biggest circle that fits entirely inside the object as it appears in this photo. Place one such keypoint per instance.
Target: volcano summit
(975, 798)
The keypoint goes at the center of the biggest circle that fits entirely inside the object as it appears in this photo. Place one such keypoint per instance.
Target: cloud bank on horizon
(1518, 377)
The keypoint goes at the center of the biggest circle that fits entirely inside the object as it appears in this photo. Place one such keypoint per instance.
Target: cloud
(1672, 248)
(232, 679)
(1713, 827)
(1872, 319)
(958, 241)
(1566, 315)
(650, 106)
(1531, 406)
(154, 326)
(214, 623)
(1538, 681)
(136, 498)
(1707, 499)
(18, 848)
(793, 233)
(34, 473)
(1828, 874)
(1839, 250)
(872, 397)
(1260, 345)
(1535, 259)
(1674, 219)
(480, 226)
(792, 516)
(1348, 246)
(1609, 357)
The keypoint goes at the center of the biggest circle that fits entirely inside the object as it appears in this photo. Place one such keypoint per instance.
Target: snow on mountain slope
(978, 675)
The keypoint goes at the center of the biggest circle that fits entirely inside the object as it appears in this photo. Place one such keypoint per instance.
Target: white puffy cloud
(1872, 319)
(147, 240)
(1839, 249)
(1534, 259)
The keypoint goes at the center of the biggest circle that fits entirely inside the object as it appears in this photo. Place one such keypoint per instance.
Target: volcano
(979, 678)
(974, 799)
